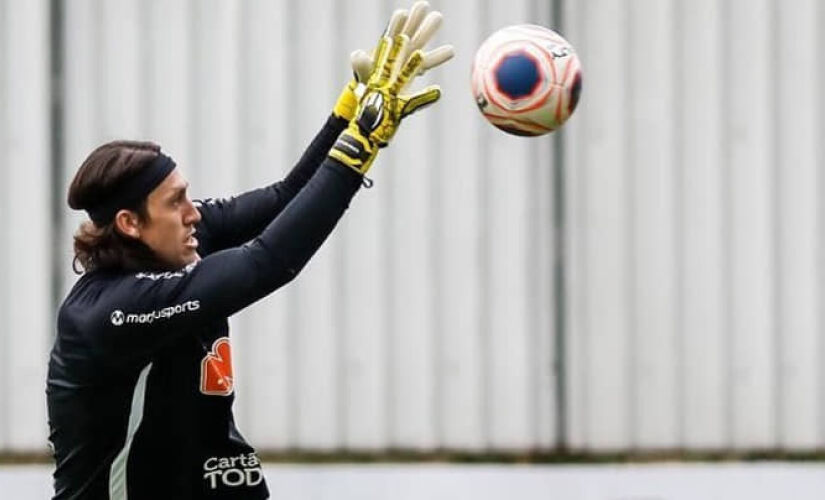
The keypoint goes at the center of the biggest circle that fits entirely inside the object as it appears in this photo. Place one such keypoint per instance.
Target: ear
(127, 223)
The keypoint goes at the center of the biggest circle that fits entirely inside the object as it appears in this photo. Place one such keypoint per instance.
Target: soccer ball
(526, 79)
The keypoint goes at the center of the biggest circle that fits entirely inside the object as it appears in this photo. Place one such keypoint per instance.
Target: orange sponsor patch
(216, 369)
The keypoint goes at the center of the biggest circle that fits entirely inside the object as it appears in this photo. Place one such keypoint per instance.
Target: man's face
(170, 228)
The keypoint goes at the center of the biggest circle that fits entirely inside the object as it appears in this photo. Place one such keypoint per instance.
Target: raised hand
(419, 25)
(383, 106)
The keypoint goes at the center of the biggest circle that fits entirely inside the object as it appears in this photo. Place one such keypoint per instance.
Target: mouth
(191, 241)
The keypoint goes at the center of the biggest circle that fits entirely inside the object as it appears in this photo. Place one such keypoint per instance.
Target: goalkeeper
(140, 382)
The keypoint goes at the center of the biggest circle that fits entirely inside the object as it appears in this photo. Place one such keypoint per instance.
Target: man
(140, 385)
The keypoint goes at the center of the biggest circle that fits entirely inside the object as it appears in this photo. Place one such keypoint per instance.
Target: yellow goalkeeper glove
(419, 26)
(382, 108)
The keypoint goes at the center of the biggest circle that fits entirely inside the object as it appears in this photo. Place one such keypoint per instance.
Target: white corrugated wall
(26, 239)
(691, 231)
(696, 227)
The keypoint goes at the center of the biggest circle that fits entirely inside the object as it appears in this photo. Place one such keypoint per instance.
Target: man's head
(142, 217)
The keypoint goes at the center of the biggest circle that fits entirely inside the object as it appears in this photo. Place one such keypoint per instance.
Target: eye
(178, 199)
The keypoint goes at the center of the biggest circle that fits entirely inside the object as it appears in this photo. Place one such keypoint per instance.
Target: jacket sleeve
(231, 222)
(136, 314)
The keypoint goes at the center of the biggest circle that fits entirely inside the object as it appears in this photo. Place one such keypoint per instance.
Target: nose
(192, 215)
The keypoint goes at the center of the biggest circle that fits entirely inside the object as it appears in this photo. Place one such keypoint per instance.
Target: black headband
(130, 192)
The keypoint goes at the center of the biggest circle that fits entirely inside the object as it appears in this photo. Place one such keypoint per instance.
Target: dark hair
(103, 247)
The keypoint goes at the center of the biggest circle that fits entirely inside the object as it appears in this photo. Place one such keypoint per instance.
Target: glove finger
(420, 100)
(411, 68)
(361, 65)
(426, 31)
(397, 21)
(416, 15)
(383, 68)
(437, 57)
(390, 67)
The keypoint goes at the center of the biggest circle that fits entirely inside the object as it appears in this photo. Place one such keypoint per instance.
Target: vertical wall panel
(215, 96)
(819, 105)
(651, 158)
(26, 321)
(459, 227)
(796, 192)
(119, 69)
(5, 209)
(574, 362)
(701, 241)
(601, 250)
(749, 49)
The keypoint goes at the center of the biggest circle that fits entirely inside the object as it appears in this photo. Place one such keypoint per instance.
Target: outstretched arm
(231, 222)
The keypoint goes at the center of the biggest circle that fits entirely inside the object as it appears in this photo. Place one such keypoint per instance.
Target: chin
(191, 259)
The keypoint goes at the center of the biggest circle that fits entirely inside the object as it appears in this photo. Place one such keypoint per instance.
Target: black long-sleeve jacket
(140, 384)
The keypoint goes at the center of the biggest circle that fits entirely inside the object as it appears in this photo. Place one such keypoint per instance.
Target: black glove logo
(372, 113)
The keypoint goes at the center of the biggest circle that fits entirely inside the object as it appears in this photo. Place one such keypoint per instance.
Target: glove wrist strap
(354, 150)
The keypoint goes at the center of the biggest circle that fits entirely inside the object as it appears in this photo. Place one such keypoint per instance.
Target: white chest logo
(117, 317)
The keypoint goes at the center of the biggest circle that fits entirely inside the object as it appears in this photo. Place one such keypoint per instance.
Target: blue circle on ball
(517, 75)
